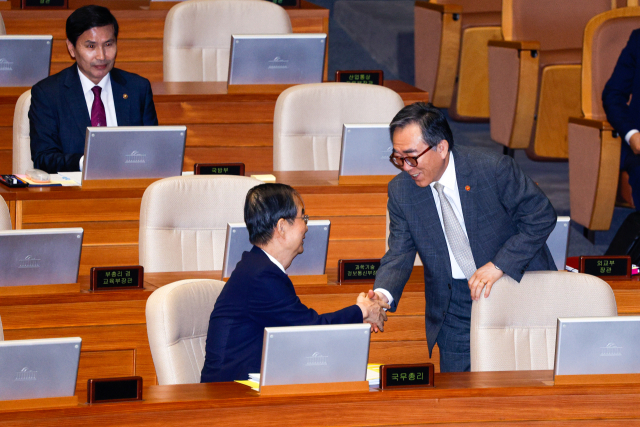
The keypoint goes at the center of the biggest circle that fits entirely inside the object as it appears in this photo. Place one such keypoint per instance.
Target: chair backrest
(21, 137)
(515, 328)
(474, 6)
(556, 24)
(5, 216)
(177, 324)
(307, 123)
(604, 38)
(197, 35)
(183, 221)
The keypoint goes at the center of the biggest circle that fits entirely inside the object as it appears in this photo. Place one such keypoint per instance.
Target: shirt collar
(275, 261)
(448, 178)
(87, 84)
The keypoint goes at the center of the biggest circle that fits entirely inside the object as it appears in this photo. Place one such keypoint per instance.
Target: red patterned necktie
(98, 115)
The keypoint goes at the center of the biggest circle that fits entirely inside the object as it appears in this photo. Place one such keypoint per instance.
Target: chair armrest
(592, 123)
(442, 8)
(516, 44)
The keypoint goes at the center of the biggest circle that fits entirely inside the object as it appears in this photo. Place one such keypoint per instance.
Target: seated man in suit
(621, 102)
(259, 293)
(89, 93)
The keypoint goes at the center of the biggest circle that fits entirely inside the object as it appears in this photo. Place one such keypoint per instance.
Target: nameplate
(103, 390)
(611, 267)
(117, 278)
(44, 4)
(358, 270)
(219, 169)
(286, 3)
(406, 376)
(367, 77)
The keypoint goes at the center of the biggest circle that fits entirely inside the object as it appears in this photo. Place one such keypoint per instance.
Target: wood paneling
(84, 210)
(107, 255)
(256, 159)
(99, 233)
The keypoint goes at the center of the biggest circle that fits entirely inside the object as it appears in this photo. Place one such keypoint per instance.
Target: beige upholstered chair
(451, 39)
(515, 328)
(307, 123)
(197, 35)
(534, 74)
(5, 216)
(177, 324)
(21, 137)
(594, 149)
(183, 221)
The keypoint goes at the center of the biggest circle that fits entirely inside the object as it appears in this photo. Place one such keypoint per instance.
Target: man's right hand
(372, 311)
(634, 143)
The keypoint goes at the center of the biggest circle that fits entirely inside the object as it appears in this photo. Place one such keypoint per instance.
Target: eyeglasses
(305, 218)
(411, 161)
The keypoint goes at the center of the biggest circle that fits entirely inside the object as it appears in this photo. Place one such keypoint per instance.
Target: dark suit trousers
(454, 337)
(630, 163)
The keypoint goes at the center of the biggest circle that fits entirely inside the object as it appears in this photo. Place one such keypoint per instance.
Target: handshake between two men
(373, 310)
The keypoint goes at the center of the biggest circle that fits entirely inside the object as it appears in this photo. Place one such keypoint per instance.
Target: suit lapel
(467, 189)
(76, 101)
(120, 98)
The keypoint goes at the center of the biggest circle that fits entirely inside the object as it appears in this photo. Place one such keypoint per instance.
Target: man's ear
(280, 226)
(71, 49)
(443, 148)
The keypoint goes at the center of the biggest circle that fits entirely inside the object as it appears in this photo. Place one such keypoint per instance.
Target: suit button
(449, 285)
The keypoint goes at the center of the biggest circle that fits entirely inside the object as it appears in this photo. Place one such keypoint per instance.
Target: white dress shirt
(450, 183)
(106, 96)
(629, 134)
(275, 261)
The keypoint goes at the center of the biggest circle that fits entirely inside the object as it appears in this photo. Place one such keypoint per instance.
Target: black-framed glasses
(305, 218)
(398, 161)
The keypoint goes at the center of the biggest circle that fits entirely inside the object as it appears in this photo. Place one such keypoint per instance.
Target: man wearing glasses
(471, 214)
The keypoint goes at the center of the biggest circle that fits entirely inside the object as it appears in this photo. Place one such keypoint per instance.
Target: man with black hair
(89, 93)
(471, 214)
(259, 293)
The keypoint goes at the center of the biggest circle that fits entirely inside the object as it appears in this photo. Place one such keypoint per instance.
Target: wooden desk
(521, 398)
(110, 217)
(140, 31)
(222, 127)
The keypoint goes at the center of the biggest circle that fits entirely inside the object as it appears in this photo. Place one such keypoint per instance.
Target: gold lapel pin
(467, 188)
(125, 96)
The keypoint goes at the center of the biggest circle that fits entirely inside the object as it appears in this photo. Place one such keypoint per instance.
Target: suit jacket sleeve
(532, 213)
(615, 97)
(149, 117)
(44, 127)
(273, 302)
(397, 264)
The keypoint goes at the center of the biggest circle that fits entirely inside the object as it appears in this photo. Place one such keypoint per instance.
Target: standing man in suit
(471, 214)
(623, 115)
(89, 93)
(259, 293)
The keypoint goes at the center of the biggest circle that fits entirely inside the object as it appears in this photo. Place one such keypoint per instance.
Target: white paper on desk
(68, 179)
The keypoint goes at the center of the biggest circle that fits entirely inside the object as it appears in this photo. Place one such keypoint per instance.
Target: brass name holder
(367, 77)
(407, 376)
(357, 270)
(219, 169)
(117, 278)
(121, 389)
(609, 267)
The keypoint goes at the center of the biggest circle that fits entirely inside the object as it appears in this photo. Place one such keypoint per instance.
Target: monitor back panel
(598, 345)
(366, 150)
(134, 152)
(24, 60)
(277, 59)
(40, 257)
(42, 368)
(315, 354)
(558, 242)
(311, 262)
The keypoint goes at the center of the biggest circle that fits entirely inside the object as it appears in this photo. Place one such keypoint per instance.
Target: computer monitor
(277, 59)
(39, 368)
(47, 256)
(597, 345)
(133, 152)
(24, 60)
(311, 262)
(315, 354)
(366, 149)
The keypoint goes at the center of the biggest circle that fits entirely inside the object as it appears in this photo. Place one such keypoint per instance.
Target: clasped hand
(372, 311)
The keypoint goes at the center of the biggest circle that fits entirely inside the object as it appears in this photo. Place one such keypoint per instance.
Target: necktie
(455, 235)
(98, 115)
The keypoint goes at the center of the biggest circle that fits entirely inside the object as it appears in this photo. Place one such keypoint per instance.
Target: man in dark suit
(259, 293)
(89, 93)
(471, 214)
(623, 115)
